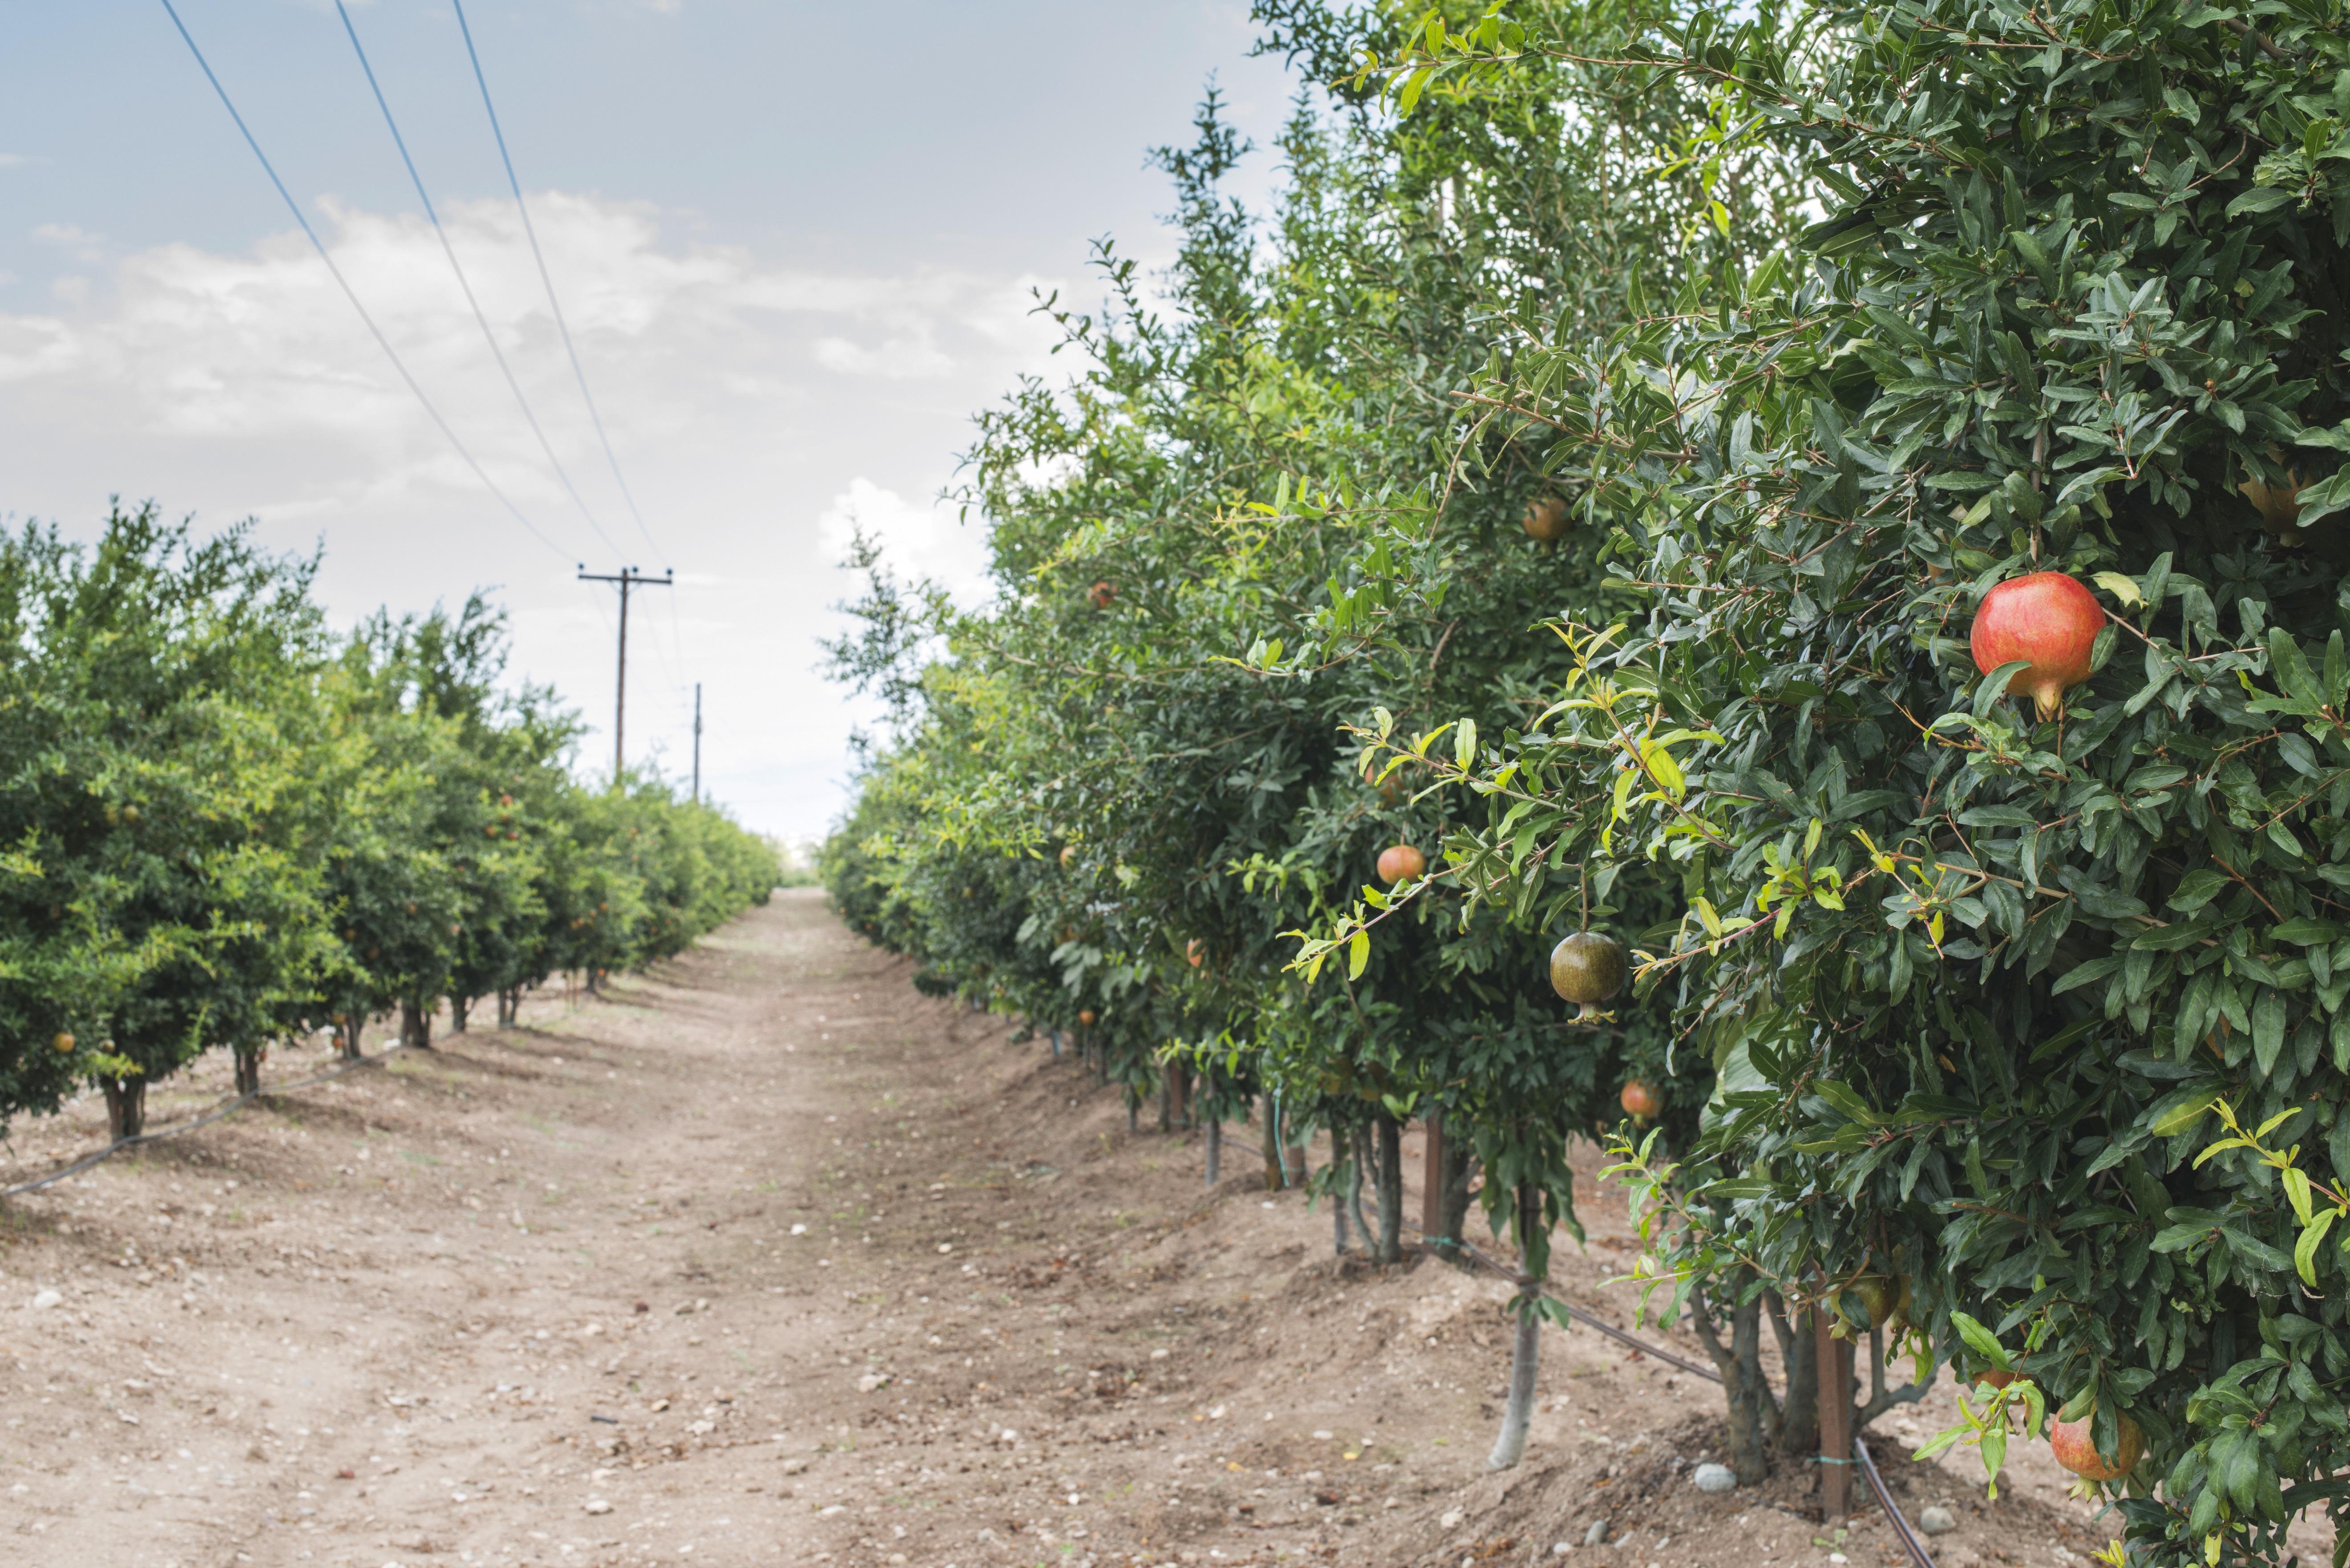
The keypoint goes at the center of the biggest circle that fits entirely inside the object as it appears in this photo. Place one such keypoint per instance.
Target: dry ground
(766, 1258)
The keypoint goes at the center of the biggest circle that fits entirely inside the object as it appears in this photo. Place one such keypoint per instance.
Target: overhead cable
(466, 284)
(561, 327)
(348, 293)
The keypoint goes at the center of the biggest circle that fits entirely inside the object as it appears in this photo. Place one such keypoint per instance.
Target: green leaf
(1358, 954)
(1981, 1340)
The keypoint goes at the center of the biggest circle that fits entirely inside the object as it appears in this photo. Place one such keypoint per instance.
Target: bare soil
(764, 1257)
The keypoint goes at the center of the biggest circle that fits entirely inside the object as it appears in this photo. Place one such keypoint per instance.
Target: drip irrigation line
(231, 1103)
(1884, 1495)
(1910, 1543)
(465, 283)
(561, 327)
(348, 293)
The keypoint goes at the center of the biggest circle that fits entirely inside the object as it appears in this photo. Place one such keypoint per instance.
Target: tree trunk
(1390, 1133)
(415, 1026)
(248, 1071)
(1358, 1159)
(1133, 1108)
(1054, 1036)
(1167, 1099)
(509, 1007)
(1297, 1166)
(347, 1033)
(1459, 1172)
(1338, 1224)
(1754, 1414)
(1798, 1426)
(126, 1107)
(1215, 1151)
(1180, 1074)
(459, 1006)
(1271, 1131)
(1525, 1351)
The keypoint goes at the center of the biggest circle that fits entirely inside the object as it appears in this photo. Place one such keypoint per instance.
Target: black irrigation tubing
(218, 1111)
(1909, 1542)
(1876, 1487)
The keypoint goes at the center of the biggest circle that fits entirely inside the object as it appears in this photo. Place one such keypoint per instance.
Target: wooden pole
(1834, 1363)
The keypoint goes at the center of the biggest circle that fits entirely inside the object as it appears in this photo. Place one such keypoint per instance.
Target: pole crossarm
(628, 578)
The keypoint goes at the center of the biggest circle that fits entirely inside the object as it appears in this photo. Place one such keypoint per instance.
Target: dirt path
(766, 1258)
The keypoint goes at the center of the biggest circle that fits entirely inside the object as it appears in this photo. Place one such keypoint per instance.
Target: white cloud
(757, 406)
(261, 345)
(926, 540)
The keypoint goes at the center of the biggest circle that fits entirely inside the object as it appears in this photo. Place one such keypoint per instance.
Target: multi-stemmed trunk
(509, 1007)
(416, 1026)
(1757, 1418)
(126, 1106)
(248, 1069)
(459, 1006)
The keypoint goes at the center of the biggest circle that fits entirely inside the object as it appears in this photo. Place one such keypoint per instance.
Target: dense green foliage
(2042, 1015)
(1122, 786)
(224, 825)
(1976, 980)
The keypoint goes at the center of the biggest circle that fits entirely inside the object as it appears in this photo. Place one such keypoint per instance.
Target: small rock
(872, 1381)
(43, 1300)
(1715, 1478)
(795, 1467)
(1936, 1520)
(1451, 1520)
(1596, 1533)
(597, 1505)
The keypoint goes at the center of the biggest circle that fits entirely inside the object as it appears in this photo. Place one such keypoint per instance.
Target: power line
(562, 327)
(466, 283)
(348, 293)
(553, 304)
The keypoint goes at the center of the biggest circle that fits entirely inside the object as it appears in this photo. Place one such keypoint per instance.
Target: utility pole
(697, 743)
(630, 578)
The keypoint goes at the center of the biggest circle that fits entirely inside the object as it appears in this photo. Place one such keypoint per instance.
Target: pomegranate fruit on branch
(1401, 862)
(1589, 969)
(2047, 619)
(2076, 1449)
(1545, 518)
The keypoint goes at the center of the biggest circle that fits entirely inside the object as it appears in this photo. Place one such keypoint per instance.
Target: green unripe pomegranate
(1587, 969)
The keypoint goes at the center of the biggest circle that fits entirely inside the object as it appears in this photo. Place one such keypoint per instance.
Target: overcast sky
(796, 245)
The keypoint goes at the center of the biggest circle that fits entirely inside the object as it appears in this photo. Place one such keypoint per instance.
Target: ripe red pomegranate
(1085, 1017)
(1195, 954)
(1103, 595)
(2046, 617)
(1545, 518)
(1401, 862)
(2077, 1451)
(1640, 1100)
